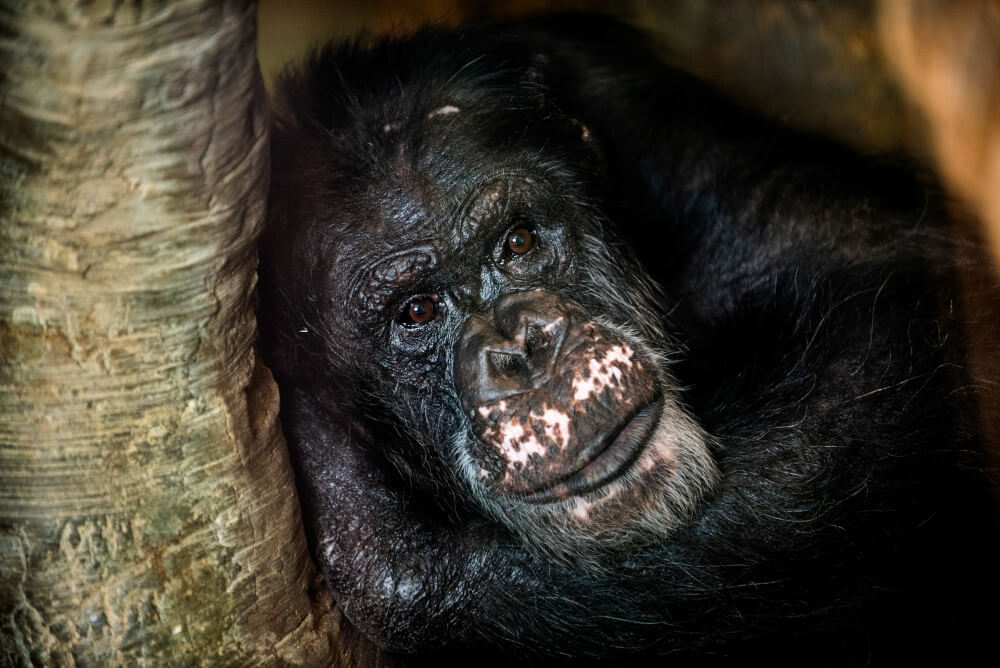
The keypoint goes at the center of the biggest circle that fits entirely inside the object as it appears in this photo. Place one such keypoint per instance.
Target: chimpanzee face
(485, 312)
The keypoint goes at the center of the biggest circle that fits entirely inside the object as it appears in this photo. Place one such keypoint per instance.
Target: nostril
(508, 364)
(532, 338)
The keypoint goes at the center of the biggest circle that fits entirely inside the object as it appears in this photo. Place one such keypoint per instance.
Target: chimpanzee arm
(403, 580)
(416, 585)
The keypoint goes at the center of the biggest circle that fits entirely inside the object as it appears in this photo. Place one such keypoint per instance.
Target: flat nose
(512, 351)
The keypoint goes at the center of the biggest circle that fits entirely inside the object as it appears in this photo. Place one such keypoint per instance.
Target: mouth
(610, 462)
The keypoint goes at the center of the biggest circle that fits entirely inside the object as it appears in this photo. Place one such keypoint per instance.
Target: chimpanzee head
(439, 266)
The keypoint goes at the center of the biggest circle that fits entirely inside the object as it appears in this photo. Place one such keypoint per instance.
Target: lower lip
(621, 452)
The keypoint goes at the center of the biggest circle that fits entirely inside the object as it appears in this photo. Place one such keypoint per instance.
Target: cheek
(602, 374)
(414, 367)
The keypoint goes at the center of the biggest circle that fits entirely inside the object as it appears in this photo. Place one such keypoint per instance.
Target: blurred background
(915, 77)
(815, 64)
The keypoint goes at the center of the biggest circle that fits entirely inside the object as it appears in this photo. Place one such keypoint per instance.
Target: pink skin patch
(581, 509)
(517, 441)
(605, 372)
(556, 425)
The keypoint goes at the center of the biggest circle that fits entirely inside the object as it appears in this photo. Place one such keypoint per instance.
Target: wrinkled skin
(579, 360)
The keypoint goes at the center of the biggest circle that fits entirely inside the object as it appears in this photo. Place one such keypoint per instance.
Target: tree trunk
(147, 509)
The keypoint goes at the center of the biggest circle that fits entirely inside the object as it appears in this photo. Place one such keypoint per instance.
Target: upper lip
(618, 453)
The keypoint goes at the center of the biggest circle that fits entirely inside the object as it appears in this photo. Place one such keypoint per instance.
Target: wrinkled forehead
(427, 200)
(436, 173)
(417, 234)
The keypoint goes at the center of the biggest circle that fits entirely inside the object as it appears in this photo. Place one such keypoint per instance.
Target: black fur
(808, 322)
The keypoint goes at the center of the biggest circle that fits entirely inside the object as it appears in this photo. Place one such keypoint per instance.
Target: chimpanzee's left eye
(419, 310)
(520, 241)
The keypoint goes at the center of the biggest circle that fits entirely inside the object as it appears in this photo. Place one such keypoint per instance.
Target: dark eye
(419, 310)
(520, 241)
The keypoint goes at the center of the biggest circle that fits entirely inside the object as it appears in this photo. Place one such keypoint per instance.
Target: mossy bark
(147, 509)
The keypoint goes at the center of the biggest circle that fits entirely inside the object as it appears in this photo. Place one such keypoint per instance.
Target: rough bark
(147, 509)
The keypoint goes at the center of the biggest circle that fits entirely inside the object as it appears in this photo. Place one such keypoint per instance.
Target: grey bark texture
(148, 514)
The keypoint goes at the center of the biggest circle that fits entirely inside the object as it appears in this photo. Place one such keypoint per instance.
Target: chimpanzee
(580, 360)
